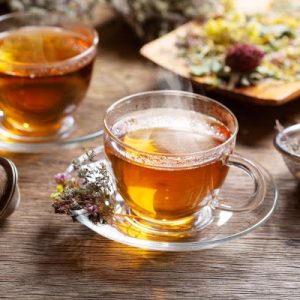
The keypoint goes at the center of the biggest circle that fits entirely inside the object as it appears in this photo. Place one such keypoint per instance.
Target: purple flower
(92, 209)
(62, 178)
(243, 58)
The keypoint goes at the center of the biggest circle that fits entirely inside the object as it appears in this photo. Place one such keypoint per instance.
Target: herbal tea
(39, 86)
(166, 193)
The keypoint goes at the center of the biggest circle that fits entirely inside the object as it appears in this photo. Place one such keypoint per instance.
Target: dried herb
(239, 50)
(149, 18)
(75, 8)
(243, 58)
(89, 191)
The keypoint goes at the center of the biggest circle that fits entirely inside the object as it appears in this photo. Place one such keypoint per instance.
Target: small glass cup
(174, 192)
(46, 62)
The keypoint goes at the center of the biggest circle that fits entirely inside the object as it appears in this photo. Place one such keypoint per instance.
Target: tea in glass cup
(170, 152)
(46, 63)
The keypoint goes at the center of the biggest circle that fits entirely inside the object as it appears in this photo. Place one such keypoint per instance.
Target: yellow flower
(290, 22)
(219, 30)
(252, 32)
(54, 196)
(59, 188)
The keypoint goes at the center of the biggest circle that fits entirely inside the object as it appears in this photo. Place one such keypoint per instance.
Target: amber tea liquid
(159, 193)
(38, 85)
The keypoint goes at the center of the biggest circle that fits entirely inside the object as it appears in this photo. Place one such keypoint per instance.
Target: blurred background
(148, 18)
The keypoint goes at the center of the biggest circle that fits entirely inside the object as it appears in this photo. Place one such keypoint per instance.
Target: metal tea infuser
(9, 190)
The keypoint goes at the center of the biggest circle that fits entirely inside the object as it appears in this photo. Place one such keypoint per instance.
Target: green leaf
(201, 70)
(216, 66)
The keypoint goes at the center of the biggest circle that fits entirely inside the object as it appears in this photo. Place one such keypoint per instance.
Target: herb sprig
(88, 190)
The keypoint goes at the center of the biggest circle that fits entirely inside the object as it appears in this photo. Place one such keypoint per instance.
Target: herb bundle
(89, 191)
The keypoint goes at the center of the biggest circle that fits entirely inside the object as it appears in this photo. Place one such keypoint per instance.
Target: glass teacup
(46, 62)
(170, 152)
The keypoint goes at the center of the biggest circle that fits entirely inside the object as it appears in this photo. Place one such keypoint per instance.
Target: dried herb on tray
(238, 50)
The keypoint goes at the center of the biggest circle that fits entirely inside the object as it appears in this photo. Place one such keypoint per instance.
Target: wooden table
(46, 256)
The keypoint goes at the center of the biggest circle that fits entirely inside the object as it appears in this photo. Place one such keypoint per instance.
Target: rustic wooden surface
(45, 256)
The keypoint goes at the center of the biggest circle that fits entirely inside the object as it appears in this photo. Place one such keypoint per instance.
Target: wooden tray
(163, 52)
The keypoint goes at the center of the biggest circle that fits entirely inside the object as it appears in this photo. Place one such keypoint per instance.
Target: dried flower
(73, 8)
(149, 18)
(90, 191)
(62, 178)
(237, 50)
(243, 58)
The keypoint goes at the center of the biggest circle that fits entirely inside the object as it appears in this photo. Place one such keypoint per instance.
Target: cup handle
(260, 185)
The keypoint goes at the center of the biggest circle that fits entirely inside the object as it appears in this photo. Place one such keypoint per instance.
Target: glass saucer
(225, 226)
(87, 127)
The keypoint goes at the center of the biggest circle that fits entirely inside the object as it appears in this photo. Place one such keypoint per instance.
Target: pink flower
(62, 178)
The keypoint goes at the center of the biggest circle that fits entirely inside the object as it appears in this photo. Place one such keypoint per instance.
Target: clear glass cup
(46, 62)
(170, 152)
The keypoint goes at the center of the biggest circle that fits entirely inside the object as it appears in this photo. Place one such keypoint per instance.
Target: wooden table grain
(46, 256)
